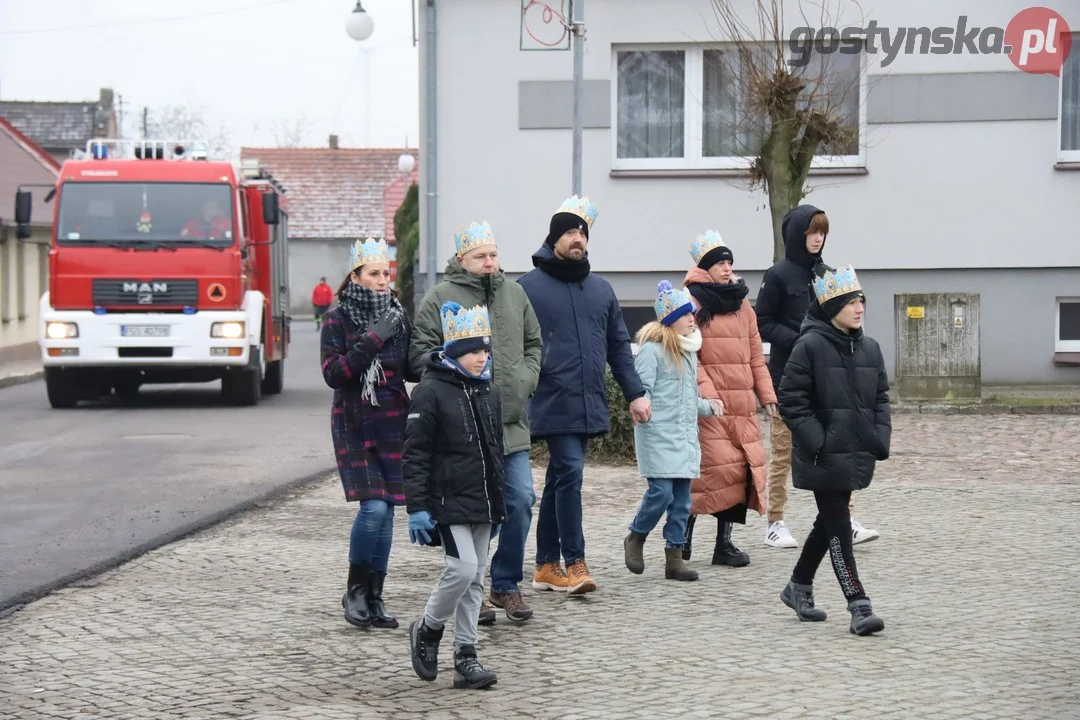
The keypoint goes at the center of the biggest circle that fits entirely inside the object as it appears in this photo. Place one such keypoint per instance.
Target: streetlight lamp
(359, 24)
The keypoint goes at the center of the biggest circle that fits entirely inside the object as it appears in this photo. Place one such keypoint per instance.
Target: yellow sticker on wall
(916, 313)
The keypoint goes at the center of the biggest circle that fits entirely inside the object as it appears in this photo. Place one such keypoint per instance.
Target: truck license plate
(144, 330)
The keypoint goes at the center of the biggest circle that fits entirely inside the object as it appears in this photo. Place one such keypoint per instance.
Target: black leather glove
(388, 325)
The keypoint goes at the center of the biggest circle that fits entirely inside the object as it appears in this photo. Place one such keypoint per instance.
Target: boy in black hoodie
(834, 396)
(452, 466)
(781, 306)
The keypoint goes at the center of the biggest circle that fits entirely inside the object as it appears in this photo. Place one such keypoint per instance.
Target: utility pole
(577, 31)
(145, 122)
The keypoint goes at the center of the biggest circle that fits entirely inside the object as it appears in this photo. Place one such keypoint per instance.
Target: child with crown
(667, 449)
(834, 396)
(364, 358)
(455, 487)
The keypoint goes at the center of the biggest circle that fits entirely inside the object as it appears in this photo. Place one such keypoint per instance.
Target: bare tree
(292, 132)
(187, 122)
(796, 102)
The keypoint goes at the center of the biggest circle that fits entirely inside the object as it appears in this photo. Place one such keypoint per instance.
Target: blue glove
(419, 525)
(495, 531)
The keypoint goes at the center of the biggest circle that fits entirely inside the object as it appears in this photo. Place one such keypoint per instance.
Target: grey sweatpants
(460, 589)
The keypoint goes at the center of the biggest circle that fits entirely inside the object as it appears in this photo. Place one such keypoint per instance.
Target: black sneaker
(863, 619)
(424, 648)
(487, 614)
(469, 674)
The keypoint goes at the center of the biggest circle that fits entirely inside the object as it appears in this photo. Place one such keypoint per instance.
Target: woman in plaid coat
(364, 353)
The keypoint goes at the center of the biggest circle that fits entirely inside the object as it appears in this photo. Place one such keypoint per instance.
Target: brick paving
(975, 574)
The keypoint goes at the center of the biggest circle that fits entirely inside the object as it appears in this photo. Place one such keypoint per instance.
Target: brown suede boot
(633, 552)
(676, 568)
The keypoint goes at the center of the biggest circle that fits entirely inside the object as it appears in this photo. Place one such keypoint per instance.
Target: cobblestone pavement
(975, 575)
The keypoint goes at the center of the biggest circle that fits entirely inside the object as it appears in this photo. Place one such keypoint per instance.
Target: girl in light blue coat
(667, 447)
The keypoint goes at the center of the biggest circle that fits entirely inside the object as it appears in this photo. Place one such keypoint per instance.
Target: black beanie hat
(563, 221)
(717, 254)
(838, 290)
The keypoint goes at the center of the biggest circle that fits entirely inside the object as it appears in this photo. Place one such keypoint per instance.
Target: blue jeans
(506, 570)
(372, 532)
(665, 495)
(558, 529)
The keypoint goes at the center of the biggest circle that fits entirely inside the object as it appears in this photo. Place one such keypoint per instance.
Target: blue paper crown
(474, 236)
(459, 323)
(710, 240)
(581, 206)
(671, 303)
(835, 283)
(370, 250)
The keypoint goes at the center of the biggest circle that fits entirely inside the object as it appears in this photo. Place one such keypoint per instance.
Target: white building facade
(965, 177)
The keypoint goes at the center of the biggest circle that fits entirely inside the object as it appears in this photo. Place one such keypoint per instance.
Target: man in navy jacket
(583, 330)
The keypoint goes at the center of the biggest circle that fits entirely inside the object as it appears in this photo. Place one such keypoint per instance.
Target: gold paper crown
(459, 323)
(474, 236)
(581, 206)
(835, 283)
(370, 250)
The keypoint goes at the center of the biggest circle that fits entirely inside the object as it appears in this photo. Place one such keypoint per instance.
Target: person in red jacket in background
(210, 225)
(321, 297)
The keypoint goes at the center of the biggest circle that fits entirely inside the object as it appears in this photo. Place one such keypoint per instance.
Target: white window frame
(694, 118)
(1065, 155)
(1064, 346)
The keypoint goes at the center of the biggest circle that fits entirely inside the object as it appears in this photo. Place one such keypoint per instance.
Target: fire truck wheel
(61, 389)
(274, 381)
(244, 387)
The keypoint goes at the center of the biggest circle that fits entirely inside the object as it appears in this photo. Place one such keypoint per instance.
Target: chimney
(105, 99)
(333, 142)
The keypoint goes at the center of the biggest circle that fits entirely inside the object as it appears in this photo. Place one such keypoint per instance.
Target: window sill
(1067, 165)
(1067, 358)
(728, 172)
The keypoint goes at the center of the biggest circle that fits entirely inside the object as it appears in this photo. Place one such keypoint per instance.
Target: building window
(1067, 331)
(636, 318)
(685, 107)
(1069, 112)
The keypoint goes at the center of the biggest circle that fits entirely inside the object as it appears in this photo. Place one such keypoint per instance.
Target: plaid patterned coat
(367, 438)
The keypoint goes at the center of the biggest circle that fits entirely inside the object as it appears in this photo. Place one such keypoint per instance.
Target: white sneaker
(777, 535)
(859, 534)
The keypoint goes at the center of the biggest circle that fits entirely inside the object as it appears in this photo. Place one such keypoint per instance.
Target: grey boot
(800, 598)
(676, 568)
(863, 619)
(634, 552)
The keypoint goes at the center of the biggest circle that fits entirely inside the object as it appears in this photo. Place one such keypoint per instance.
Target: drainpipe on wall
(430, 165)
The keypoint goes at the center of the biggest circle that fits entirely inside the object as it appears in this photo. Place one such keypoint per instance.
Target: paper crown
(472, 237)
(671, 303)
(461, 324)
(835, 283)
(704, 243)
(581, 206)
(370, 250)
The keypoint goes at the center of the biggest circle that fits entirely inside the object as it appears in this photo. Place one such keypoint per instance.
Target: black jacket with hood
(834, 397)
(785, 291)
(452, 460)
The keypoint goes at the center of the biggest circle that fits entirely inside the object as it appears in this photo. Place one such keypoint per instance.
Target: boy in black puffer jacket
(452, 466)
(834, 396)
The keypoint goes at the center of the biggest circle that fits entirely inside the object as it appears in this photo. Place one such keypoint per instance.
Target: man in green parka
(473, 277)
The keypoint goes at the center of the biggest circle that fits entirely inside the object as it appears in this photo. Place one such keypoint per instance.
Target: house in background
(24, 264)
(61, 128)
(336, 195)
(965, 178)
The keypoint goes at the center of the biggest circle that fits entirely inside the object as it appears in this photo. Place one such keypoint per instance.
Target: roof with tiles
(60, 125)
(336, 192)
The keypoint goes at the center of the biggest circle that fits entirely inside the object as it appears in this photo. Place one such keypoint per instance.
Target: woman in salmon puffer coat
(731, 367)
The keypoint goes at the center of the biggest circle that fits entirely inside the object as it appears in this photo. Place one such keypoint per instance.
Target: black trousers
(831, 535)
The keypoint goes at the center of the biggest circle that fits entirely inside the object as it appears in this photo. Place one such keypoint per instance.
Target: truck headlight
(61, 330)
(227, 330)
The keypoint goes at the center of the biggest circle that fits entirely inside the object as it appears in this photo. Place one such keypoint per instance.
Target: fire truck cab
(164, 267)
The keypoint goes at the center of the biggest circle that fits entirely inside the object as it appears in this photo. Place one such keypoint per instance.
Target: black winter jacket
(834, 397)
(452, 461)
(785, 291)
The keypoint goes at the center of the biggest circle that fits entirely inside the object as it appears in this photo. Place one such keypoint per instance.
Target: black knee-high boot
(355, 598)
(725, 552)
(379, 617)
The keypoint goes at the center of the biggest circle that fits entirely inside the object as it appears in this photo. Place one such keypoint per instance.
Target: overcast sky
(248, 62)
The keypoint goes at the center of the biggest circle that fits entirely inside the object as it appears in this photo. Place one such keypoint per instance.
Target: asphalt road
(85, 488)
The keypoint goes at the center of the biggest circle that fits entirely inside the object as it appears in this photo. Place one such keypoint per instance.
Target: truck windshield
(136, 213)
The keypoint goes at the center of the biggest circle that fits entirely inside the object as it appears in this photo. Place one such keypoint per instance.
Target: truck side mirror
(23, 203)
(270, 208)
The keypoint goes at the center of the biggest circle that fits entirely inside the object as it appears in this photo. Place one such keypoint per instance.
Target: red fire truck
(165, 267)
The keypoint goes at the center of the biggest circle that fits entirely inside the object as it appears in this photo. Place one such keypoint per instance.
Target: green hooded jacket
(516, 343)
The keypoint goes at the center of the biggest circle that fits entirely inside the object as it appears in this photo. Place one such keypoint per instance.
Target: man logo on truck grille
(145, 287)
